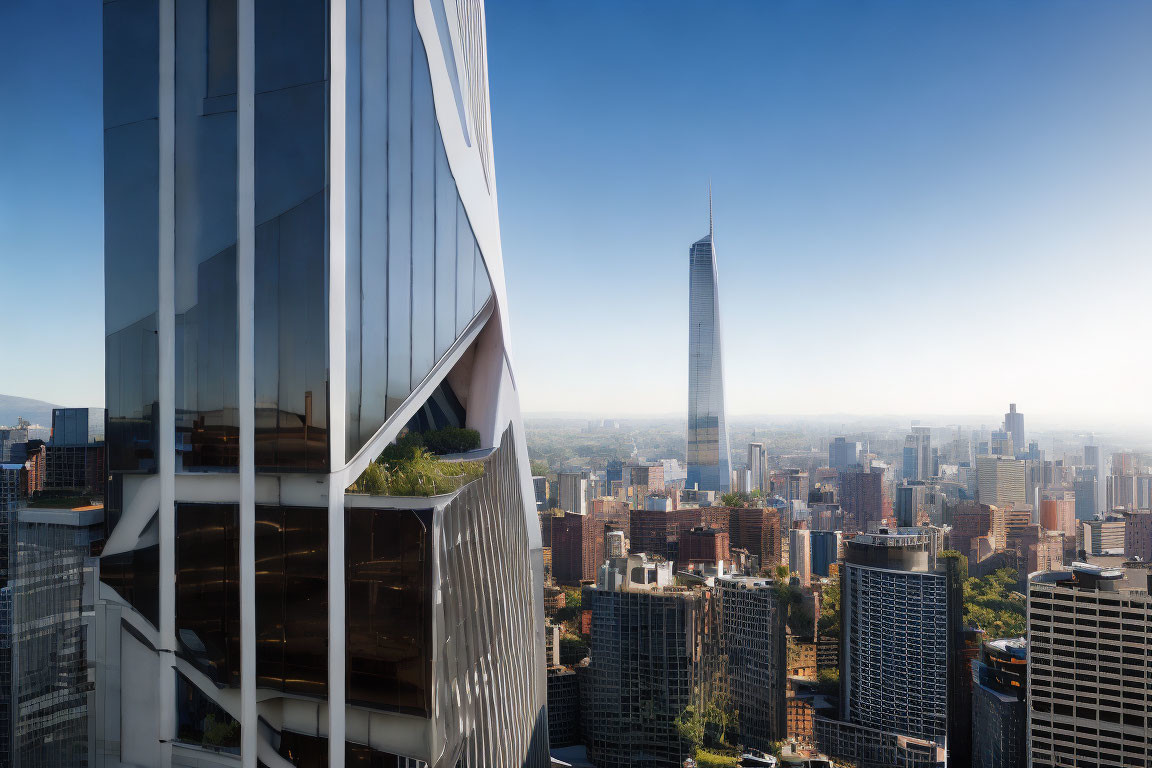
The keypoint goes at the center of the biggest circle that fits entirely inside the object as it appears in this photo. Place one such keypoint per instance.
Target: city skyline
(332, 490)
(980, 162)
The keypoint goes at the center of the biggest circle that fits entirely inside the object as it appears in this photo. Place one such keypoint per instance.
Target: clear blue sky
(920, 207)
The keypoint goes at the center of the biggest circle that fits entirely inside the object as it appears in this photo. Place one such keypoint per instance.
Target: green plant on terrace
(420, 473)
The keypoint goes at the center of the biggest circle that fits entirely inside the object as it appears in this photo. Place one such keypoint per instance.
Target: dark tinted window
(208, 589)
(203, 722)
(312, 752)
(135, 576)
(292, 599)
(389, 616)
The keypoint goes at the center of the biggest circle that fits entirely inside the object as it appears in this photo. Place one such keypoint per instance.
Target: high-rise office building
(645, 478)
(999, 705)
(843, 454)
(540, 492)
(862, 498)
(825, 550)
(911, 502)
(43, 637)
(971, 521)
(1088, 702)
(302, 259)
(1014, 424)
(754, 652)
(1094, 459)
(1000, 481)
(646, 650)
(563, 707)
(580, 541)
(573, 492)
(1103, 536)
(898, 689)
(75, 456)
(758, 468)
(1086, 493)
(702, 545)
(762, 531)
(918, 454)
(1058, 512)
(11, 437)
(790, 484)
(1120, 492)
(709, 461)
(800, 555)
(1138, 535)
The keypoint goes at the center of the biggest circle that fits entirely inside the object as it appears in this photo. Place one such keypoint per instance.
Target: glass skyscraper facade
(302, 261)
(709, 460)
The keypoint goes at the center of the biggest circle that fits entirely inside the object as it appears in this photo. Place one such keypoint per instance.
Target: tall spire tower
(709, 462)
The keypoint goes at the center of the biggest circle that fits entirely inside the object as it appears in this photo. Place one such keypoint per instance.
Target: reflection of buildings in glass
(709, 460)
(43, 650)
(303, 259)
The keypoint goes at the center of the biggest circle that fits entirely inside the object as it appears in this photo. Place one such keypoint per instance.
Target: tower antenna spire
(709, 207)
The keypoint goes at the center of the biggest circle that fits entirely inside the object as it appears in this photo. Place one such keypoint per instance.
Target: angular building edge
(485, 702)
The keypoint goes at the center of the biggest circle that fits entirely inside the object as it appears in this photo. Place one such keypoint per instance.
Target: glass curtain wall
(291, 595)
(208, 589)
(292, 599)
(291, 333)
(389, 577)
(207, 426)
(416, 278)
(131, 231)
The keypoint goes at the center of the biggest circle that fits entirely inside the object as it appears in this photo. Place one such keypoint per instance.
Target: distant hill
(35, 411)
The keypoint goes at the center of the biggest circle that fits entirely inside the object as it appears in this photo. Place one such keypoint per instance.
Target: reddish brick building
(704, 545)
(658, 532)
(861, 499)
(579, 541)
(970, 520)
(760, 531)
(35, 467)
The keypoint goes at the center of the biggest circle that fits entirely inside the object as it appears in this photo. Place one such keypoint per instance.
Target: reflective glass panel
(131, 61)
(445, 252)
(290, 160)
(415, 281)
(292, 599)
(203, 722)
(389, 572)
(131, 236)
(208, 589)
(135, 575)
(424, 133)
(207, 419)
(399, 204)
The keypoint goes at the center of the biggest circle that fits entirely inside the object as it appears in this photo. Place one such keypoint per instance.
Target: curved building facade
(709, 460)
(302, 262)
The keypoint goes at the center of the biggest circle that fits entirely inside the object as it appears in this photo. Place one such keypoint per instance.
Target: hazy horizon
(919, 207)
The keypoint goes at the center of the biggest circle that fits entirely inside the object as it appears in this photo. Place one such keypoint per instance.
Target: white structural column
(166, 348)
(245, 316)
(337, 354)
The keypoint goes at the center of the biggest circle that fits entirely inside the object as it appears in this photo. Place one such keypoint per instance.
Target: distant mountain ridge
(35, 411)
